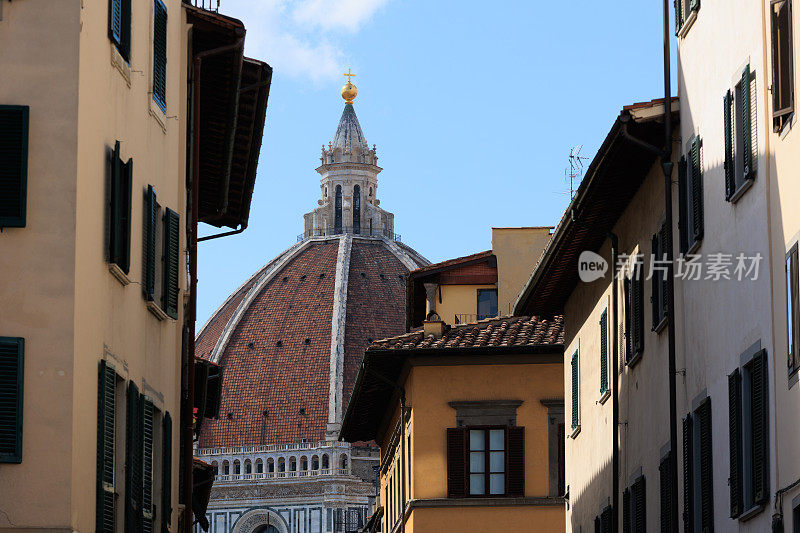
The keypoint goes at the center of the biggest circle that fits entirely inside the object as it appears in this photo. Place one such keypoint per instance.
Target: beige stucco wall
(459, 299)
(56, 58)
(517, 251)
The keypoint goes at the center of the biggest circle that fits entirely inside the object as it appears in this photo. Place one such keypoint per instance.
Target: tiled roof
(651, 103)
(453, 262)
(493, 332)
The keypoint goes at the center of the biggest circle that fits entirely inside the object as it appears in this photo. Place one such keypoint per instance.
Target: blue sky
(473, 106)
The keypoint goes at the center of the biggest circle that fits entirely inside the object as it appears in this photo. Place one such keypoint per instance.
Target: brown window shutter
(456, 463)
(516, 462)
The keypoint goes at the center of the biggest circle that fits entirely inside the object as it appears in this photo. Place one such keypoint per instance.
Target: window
(356, 209)
(119, 26)
(325, 462)
(344, 461)
(575, 392)
(792, 319)
(292, 465)
(749, 430)
(665, 495)
(134, 455)
(782, 63)
(150, 219)
(485, 461)
(13, 165)
(270, 466)
(160, 55)
(314, 463)
(166, 473)
(119, 242)
(237, 467)
(303, 463)
(634, 516)
(337, 215)
(634, 314)
(740, 140)
(487, 303)
(690, 195)
(658, 298)
(171, 259)
(259, 466)
(602, 522)
(248, 467)
(604, 352)
(226, 469)
(106, 435)
(12, 357)
(698, 478)
(683, 10)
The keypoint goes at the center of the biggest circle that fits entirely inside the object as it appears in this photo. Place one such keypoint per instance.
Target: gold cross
(348, 74)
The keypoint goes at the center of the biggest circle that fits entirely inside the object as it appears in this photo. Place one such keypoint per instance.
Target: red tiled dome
(279, 336)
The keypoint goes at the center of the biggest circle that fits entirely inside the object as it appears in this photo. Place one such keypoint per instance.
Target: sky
(474, 108)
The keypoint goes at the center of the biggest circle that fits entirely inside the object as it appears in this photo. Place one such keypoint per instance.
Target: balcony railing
(229, 478)
(365, 232)
(239, 450)
(208, 5)
(468, 318)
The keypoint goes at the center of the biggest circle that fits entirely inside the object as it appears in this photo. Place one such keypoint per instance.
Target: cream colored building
(95, 121)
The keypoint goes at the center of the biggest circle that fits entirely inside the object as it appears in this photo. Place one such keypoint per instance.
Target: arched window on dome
(248, 467)
(356, 209)
(337, 215)
(281, 464)
(259, 466)
(314, 462)
(226, 468)
(325, 464)
(344, 462)
(270, 465)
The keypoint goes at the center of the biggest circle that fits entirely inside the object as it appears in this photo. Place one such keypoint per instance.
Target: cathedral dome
(291, 338)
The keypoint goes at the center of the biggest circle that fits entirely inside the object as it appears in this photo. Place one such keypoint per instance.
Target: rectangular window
(658, 298)
(749, 430)
(171, 259)
(119, 241)
(106, 437)
(485, 461)
(698, 482)
(634, 512)
(782, 63)
(150, 218)
(575, 392)
(683, 10)
(634, 314)
(487, 303)
(602, 522)
(604, 352)
(13, 165)
(148, 437)
(12, 364)
(134, 460)
(739, 107)
(160, 55)
(119, 26)
(690, 193)
(792, 319)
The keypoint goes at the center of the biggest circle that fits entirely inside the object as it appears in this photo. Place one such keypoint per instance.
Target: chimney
(434, 327)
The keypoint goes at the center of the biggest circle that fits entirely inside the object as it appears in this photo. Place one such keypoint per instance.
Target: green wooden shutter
(12, 364)
(125, 33)
(133, 461)
(655, 293)
(626, 511)
(172, 231)
(638, 494)
(604, 351)
(696, 180)
(160, 55)
(735, 432)
(688, 475)
(13, 165)
(730, 163)
(115, 20)
(666, 245)
(150, 227)
(515, 462)
(120, 212)
(694, 5)
(106, 411)
(637, 310)
(605, 520)
(665, 486)
(760, 428)
(678, 15)
(683, 208)
(747, 147)
(575, 391)
(703, 413)
(597, 528)
(456, 463)
(166, 476)
(147, 465)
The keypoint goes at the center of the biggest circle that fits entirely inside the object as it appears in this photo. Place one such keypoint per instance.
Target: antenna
(575, 168)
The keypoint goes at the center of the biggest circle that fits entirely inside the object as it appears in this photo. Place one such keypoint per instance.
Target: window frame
(486, 429)
(159, 98)
(792, 308)
(739, 165)
(783, 116)
(478, 294)
(575, 398)
(691, 237)
(17, 343)
(604, 379)
(633, 284)
(658, 291)
(20, 220)
(122, 40)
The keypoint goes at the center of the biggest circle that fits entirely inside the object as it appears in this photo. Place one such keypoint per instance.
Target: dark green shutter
(120, 212)
(115, 20)
(747, 147)
(683, 207)
(626, 511)
(147, 465)
(730, 163)
(604, 351)
(13, 165)
(12, 363)
(637, 311)
(694, 5)
(150, 228)
(605, 520)
(106, 411)
(688, 475)
(125, 34)
(655, 293)
(638, 495)
(160, 55)
(696, 180)
(133, 461)
(575, 391)
(172, 231)
(735, 432)
(703, 413)
(678, 15)
(597, 528)
(166, 476)
(456, 463)
(515, 462)
(666, 245)
(760, 428)
(665, 486)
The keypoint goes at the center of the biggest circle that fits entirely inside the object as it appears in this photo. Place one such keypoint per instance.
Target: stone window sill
(687, 24)
(604, 398)
(751, 513)
(119, 274)
(158, 114)
(575, 432)
(743, 188)
(661, 325)
(156, 310)
(122, 66)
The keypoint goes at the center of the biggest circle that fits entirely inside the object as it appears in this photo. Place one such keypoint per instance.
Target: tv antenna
(575, 169)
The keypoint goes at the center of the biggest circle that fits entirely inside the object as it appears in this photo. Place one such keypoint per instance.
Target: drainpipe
(614, 386)
(187, 409)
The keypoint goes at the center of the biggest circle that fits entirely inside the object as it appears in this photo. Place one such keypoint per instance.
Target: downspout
(614, 392)
(187, 413)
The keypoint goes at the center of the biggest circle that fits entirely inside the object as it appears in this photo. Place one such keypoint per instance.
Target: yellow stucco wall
(428, 391)
(56, 57)
(517, 251)
(459, 299)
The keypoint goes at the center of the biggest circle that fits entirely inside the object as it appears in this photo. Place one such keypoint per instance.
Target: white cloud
(296, 37)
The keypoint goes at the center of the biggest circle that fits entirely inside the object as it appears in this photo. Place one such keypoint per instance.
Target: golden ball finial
(349, 90)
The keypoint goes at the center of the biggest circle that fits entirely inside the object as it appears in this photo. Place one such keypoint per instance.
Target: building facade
(94, 125)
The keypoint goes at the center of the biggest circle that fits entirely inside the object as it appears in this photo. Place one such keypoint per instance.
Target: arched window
(248, 467)
(344, 461)
(325, 461)
(293, 464)
(356, 209)
(370, 192)
(281, 465)
(315, 463)
(304, 463)
(270, 465)
(337, 216)
(259, 466)
(226, 469)
(237, 467)
(216, 468)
